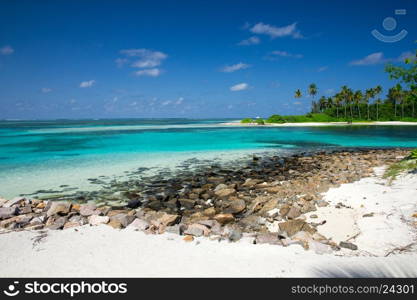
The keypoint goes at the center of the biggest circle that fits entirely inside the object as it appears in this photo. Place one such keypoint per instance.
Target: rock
(23, 219)
(97, 220)
(187, 203)
(8, 212)
(41, 205)
(250, 182)
(273, 227)
(121, 219)
(224, 193)
(313, 216)
(224, 218)
(219, 187)
(176, 229)
(60, 208)
(269, 205)
(414, 215)
(71, 225)
(291, 227)
(267, 238)
(27, 209)
(209, 212)
(197, 230)
(293, 213)
(115, 224)
(283, 211)
(368, 215)
(54, 223)
(236, 206)
(252, 222)
(139, 224)
(2, 201)
(163, 218)
(233, 233)
(14, 201)
(322, 203)
(87, 210)
(348, 245)
(134, 203)
(273, 212)
(188, 238)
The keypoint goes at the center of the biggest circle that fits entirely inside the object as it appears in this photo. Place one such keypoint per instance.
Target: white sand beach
(373, 214)
(316, 124)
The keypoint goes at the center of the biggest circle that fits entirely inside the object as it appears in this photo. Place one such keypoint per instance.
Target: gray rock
(14, 201)
(267, 238)
(221, 186)
(56, 224)
(97, 220)
(348, 245)
(139, 224)
(87, 210)
(8, 212)
(197, 230)
(123, 219)
(61, 208)
(293, 213)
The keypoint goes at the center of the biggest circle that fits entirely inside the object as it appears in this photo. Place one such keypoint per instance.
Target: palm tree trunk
(367, 107)
(359, 111)
(377, 117)
(337, 111)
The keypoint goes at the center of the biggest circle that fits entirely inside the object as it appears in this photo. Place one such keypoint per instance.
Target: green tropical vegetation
(349, 105)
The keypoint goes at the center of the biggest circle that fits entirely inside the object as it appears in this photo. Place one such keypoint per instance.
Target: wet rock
(348, 245)
(97, 220)
(224, 193)
(236, 206)
(209, 212)
(224, 218)
(59, 208)
(134, 203)
(162, 218)
(8, 212)
(187, 203)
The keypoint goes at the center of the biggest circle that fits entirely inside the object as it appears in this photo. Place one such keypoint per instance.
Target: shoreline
(105, 252)
(317, 124)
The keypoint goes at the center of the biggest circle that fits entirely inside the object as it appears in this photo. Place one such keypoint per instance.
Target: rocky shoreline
(265, 201)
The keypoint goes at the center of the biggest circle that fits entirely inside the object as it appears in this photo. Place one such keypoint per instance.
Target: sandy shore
(317, 124)
(374, 215)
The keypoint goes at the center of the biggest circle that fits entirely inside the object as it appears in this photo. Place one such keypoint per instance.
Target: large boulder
(59, 208)
(8, 212)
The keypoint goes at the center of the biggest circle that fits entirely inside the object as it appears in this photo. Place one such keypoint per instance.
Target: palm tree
(312, 91)
(322, 103)
(378, 102)
(344, 95)
(376, 91)
(298, 94)
(396, 95)
(368, 94)
(337, 100)
(357, 97)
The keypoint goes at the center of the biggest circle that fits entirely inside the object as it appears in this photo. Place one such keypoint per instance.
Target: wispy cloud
(253, 40)
(46, 90)
(239, 87)
(371, 59)
(275, 54)
(6, 50)
(322, 69)
(87, 84)
(275, 32)
(155, 72)
(144, 59)
(235, 67)
(147, 58)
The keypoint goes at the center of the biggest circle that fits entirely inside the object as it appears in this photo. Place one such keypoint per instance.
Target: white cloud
(253, 40)
(46, 90)
(274, 54)
(371, 59)
(235, 67)
(274, 32)
(155, 72)
(87, 84)
(322, 69)
(239, 87)
(147, 58)
(6, 50)
(165, 103)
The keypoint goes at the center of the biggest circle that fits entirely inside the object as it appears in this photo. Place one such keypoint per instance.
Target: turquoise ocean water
(45, 154)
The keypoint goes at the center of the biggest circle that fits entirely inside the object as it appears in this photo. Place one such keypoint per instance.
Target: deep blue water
(29, 146)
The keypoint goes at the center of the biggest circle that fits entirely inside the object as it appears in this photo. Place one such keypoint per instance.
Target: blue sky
(194, 59)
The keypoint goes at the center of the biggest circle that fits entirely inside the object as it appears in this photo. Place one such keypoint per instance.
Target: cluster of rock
(265, 200)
